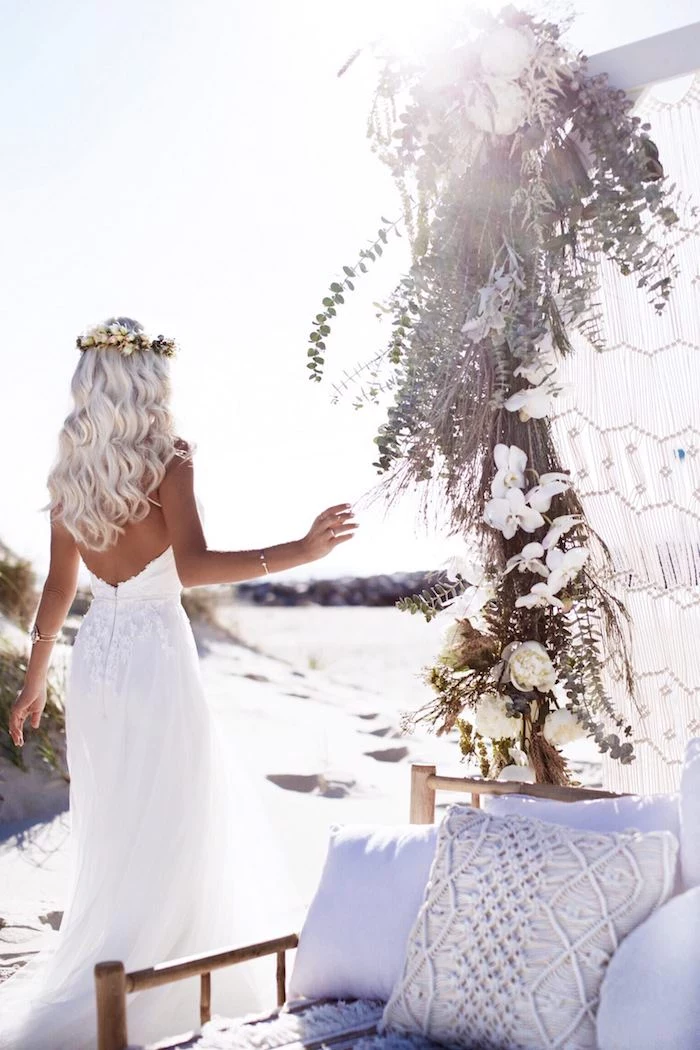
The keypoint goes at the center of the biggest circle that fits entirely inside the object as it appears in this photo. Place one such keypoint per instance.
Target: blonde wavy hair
(114, 445)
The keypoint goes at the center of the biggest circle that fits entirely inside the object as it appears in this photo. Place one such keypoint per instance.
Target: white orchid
(529, 560)
(538, 369)
(534, 402)
(529, 666)
(564, 566)
(512, 513)
(550, 485)
(506, 51)
(559, 527)
(539, 597)
(511, 462)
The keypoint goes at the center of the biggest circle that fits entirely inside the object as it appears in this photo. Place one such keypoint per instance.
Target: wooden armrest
(112, 983)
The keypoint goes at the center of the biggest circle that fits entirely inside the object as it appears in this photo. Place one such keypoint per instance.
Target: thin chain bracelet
(264, 563)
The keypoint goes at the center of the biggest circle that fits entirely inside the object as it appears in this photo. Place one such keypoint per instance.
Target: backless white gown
(168, 854)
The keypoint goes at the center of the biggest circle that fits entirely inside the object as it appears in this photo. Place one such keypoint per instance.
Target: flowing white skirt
(171, 853)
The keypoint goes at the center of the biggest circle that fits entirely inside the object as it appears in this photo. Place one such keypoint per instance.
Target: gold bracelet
(36, 635)
(264, 563)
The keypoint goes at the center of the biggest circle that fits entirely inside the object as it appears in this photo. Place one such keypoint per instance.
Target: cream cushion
(517, 928)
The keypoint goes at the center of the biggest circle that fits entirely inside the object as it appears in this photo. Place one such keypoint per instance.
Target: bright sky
(199, 166)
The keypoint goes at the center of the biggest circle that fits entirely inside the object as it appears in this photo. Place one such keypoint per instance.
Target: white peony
(518, 774)
(490, 718)
(501, 110)
(562, 727)
(506, 52)
(529, 667)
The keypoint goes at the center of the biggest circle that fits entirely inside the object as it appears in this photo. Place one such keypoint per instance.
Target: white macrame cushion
(649, 998)
(519, 923)
(355, 933)
(690, 817)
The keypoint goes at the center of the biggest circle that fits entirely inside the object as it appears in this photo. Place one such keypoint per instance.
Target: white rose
(504, 113)
(490, 718)
(530, 668)
(562, 727)
(507, 51)
(519, 774)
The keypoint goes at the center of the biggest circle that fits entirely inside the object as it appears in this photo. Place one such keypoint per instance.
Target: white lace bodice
(140, 608)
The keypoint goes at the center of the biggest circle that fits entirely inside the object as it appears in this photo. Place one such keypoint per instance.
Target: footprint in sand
(368, 718)
(314, 783)
(300, 696)
(377, 732)
(389, 754)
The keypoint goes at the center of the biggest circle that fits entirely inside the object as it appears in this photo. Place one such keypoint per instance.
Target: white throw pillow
(649, 998)
(636, 812)
(520, 920)
(690, 818)
(354, 937)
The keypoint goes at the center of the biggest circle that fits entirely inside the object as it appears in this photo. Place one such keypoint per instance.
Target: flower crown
(125, 340)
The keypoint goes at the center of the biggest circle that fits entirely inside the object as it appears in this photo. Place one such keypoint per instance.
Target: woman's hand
(29, 703)
(330, 528)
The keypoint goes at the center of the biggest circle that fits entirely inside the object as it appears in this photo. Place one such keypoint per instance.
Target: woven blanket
(305, 1025)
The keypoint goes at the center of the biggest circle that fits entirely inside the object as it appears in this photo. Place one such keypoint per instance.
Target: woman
(159, 842)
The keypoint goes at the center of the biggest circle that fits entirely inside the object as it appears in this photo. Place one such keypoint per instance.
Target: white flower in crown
(562, 727)
(564, 566)
(559, 527)
(539, 597)
(529, 560)
(529, 667)
(490, 718)
(506, 52)
(512, 513)
(512, 463)
(550, 485)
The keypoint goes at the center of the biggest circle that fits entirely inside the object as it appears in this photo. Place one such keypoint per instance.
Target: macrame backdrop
(630, 432)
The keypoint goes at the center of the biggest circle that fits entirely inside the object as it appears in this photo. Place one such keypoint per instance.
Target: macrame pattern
(632, 439)
(520, 921)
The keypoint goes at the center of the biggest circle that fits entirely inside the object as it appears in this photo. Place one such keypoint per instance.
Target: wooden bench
(113, 984)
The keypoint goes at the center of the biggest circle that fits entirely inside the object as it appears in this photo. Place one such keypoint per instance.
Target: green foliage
(18, 597)
(335, 297)
(13, 667)
(433, 600)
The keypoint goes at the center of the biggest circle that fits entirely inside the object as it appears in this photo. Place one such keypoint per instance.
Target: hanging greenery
(518, 172)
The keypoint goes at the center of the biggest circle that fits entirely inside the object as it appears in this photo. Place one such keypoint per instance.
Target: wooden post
(205, 997)
(281, 978)
(110, 988)
(422, 796)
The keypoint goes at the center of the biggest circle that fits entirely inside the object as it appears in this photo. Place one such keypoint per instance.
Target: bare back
(140, 543)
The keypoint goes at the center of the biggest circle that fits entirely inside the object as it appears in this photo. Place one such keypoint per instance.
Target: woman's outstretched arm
(198, 566)
(56, 599)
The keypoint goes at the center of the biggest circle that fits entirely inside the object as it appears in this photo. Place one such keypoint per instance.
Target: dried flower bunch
(518, 173)
(126, 338)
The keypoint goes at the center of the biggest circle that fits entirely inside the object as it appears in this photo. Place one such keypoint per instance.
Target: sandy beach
(309, 704)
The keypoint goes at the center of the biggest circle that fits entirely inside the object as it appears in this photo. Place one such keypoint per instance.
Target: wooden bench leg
(110, 986)
(422, 796)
